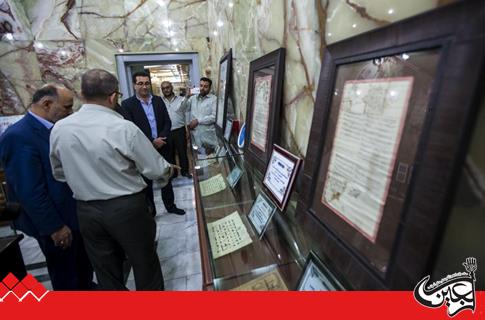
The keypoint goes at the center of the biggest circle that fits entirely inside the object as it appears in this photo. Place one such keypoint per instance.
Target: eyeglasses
(120, 95)
(143, 84)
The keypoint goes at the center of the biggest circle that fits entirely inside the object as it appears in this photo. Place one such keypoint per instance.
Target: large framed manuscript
(223, 87)
(263, 110)
(394, 108)
(369, 127)
(259, 120)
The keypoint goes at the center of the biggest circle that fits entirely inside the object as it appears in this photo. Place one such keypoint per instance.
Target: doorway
(182, 69)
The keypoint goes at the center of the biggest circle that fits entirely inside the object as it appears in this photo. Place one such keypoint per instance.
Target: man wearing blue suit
(48, 208)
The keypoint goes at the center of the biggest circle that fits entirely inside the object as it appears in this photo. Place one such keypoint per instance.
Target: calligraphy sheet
(212, 185)
(221, 93)
(227, 235)
(369, 126)
(271, 281)
(278, 175)
(259, 124)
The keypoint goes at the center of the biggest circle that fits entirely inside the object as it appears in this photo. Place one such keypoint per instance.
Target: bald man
(48, 207)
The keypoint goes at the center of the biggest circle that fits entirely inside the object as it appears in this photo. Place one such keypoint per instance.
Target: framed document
(234, 176)
(378, 171)
(367, 135)
(223, 87)
(228, 130)
(263, 110)
(261, 213)
(317, 277)
(280, 175)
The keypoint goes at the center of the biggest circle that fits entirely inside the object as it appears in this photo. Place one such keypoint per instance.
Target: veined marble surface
(253, 28)
(57, 40)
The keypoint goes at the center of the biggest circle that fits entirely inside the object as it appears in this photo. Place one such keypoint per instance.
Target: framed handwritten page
(263, 110)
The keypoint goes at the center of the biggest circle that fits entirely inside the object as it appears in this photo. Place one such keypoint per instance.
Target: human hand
(172, 168)
(159, 142)
(62, 237)
(194, 123)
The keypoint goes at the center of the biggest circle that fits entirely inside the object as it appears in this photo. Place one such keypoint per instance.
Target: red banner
(228, 305)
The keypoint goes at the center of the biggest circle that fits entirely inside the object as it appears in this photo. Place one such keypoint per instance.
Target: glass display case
(226, 187)
(206, 144)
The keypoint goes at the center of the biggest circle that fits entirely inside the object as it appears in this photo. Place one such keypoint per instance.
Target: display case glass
(234, 255)
(210, 145)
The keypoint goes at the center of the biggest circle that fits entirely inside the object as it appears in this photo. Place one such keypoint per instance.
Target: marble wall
(253, 28)
(57, 40)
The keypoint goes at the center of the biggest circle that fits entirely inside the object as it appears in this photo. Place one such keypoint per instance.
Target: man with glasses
(102, 157)
(177, 142)
(149, 113)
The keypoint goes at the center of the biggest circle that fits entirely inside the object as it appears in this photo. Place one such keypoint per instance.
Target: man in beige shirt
(102, 157)
(203, 108)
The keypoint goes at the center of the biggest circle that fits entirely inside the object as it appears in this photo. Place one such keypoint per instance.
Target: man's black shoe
(176, 210)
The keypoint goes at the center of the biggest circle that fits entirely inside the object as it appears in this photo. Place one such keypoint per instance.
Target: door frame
(125, 60)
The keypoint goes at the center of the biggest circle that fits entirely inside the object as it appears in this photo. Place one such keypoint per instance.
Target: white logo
(456, 291)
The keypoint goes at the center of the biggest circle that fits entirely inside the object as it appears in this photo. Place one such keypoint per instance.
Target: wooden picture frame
(223, 88)
(265, 85)
(280, 175)
(438, 57)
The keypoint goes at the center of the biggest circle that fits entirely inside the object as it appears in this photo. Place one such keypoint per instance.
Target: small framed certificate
(228, 130)
(234, 176)
(317, 277)
(261, 213)
(280, 175)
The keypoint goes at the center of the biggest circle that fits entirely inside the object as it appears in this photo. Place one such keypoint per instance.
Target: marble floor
(178, 244)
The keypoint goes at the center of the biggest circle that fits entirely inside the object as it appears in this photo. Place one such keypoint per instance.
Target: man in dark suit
(149, 113)
(48, 208)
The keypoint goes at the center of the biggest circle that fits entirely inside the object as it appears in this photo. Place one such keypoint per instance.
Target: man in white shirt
(177, 140)
(102, 157)
(203, 115)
